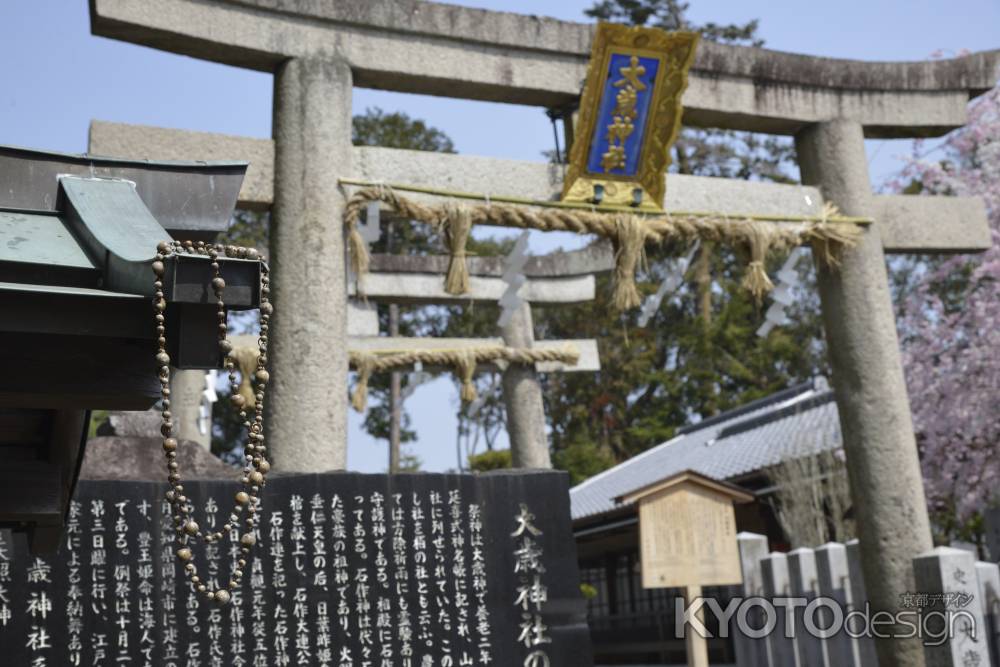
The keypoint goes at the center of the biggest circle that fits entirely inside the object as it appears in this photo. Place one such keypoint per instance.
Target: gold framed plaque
(630, 114)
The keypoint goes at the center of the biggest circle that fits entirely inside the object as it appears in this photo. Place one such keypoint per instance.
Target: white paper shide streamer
(414, 380)
(670, 284)
(208, 398)
(371, 230)
(782, 295)
(513, 275)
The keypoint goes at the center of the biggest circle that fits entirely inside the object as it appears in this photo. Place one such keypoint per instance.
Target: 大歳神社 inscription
(352, 570)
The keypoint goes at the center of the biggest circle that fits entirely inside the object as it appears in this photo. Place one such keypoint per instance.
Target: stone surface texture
(140, 458)
(950, 571)
(500, 56)
(157, 143)
(883, 467)
(428, 288)
(186, 388)
(145, 424)
(909, 223)
(307, 401)
(522, 397)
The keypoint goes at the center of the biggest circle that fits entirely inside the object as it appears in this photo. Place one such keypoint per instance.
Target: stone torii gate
(319, 51)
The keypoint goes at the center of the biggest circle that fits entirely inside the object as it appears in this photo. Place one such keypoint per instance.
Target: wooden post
(695, 645)
(395, 399)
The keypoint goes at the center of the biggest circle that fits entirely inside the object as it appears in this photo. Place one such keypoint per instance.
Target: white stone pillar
(988, 576)
(750, 651)
(884, 471)
(186, 388)
(781, 646)
(833, 582)
(859, 602)
(522, 396)
(802, 579)
(951, 572)
(307, 399)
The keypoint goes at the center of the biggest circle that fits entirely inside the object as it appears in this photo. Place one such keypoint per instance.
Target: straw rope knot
(457, 225)
(628, 232)
(756, 280)
(630, 249)
(466, 365)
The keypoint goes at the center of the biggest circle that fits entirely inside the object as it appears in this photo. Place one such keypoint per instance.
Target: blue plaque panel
(623, 114)
(630, 113)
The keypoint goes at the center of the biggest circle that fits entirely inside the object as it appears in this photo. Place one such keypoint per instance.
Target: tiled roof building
(630, 625)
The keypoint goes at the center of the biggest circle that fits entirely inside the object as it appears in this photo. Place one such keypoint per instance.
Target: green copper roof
(34, 238)
(69, 291)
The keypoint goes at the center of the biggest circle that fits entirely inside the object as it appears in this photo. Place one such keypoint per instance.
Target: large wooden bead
(184, 554)
(256, 478)
(248, 539)
(170, 444)
(262, 376)
(242, 498)
(191, 528)
(222, 596)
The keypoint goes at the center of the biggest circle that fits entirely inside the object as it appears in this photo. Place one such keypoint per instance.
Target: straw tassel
(457, 227)
(246, 360)
(630, 249)
(756, 280)
(360, 258)
(466, 365)
(365, 365)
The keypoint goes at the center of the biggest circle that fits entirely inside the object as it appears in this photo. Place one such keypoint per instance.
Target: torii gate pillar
(882, 462)
(307, 426)
(522, 395)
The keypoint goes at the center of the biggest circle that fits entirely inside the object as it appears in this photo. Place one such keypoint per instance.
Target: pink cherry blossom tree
(950, 331)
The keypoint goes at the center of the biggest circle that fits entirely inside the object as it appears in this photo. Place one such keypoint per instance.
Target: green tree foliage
(671, 15)
(491, 459)
(410, 462)
(376, 127)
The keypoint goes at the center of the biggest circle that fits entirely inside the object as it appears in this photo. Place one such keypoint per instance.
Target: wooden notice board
(687, 532)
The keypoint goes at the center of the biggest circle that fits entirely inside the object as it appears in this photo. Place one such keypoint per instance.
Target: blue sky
(57, 77)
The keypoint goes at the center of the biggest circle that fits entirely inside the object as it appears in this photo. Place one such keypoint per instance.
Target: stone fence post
(957, 617)
(774, 569)
(751, 652)
(859, 601)
(833, 577)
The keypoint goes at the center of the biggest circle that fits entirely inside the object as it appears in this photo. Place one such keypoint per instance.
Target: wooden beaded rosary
(256, 465)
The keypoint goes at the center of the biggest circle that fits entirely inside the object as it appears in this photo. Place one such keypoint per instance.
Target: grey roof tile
(801, 420)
